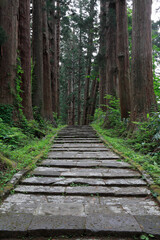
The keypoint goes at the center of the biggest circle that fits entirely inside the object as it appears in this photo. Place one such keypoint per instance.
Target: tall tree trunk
(142, 93)
(123, 58)
(53, 54)
(37, 44)
(102, 55)
(80, 68)
(8, 54)
(111, 66)
(89, 59)
(58, 54)
(25, 56)
(47, 94)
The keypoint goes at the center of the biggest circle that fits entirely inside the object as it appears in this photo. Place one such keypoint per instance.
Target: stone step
(86, 163)
(85, 172)
(84, 190)
(42, 215)
(78, 140)
(76, 136)
(84, 155)
(85, 181)
(79, 145)
(78, 149)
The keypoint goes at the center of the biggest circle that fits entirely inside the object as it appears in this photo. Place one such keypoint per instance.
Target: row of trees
(94, 58)
(30, 36)
(84, 67)
(135, 90)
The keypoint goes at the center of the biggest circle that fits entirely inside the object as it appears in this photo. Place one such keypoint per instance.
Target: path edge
(17, 177)
(155, 189)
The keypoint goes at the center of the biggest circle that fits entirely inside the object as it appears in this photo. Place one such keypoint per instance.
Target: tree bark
(142, 93)
(111, 66)
(102, 55)
(37, 43)
(89, 59)
(123, 57)
(24, 48)
(111, 54)
(8, 55)
(53, 54)
(47, 94)
(58, 55)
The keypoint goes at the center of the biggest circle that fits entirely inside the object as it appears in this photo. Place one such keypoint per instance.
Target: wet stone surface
(81, 188)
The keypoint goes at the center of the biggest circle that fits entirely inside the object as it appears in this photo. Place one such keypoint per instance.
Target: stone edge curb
(155, 189)
(19, 175)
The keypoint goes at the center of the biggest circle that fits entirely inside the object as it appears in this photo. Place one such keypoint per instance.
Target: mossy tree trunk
(24, 48)
(142, 93)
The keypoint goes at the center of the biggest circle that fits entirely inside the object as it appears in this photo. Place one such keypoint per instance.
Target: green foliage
(11, 135)
(6, 112)
(22, 147)
(150, 164)
(146, 237)
(146, 139)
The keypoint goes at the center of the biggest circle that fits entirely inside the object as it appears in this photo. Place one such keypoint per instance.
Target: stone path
(81, 188)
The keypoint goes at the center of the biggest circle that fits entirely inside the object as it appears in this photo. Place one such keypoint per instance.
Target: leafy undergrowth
(151, 164)
(21, 147)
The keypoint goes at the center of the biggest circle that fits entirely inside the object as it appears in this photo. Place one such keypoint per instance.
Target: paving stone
(13, 225)
(42, 225)
(133, 206)
(41, 180)
(125, 182)
(80, 145)
(61, 181)
(78, 149)
(40, 189)
(102, 223)
(108, 191)
(104, 209)
(149, 224)
(63, 209)
(92, 155)
(77, 141)
(73, 199)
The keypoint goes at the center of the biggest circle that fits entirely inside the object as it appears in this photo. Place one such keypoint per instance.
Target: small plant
(146, 237)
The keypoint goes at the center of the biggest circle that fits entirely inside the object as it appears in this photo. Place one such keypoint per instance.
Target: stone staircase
(81, 188)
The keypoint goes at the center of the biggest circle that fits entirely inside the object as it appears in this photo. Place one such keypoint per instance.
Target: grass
(25, 155)
(149, 164)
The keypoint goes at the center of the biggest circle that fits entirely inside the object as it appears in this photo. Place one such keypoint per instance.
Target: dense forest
(78, 63)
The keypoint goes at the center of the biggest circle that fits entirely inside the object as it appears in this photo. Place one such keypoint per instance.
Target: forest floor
(82, 187)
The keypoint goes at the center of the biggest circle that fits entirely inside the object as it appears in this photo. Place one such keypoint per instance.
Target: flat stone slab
(79, 181)
(85, 190)
(78, 149)
(31, 203)
(112, 223)
(84, 155)
(47, 225)
(84, 172)
(79, 145)
(87, 163)
(149, 224)
(12, 225)
(62, 181)
(78, 141)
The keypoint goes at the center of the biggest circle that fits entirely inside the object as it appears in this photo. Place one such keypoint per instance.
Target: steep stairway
(81, 188)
